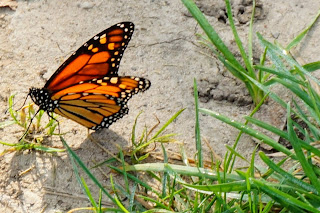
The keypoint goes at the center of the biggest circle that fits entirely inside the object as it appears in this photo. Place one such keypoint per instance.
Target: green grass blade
(251, 33)
(235, 153)
(238, 41)
(282, 134)
(156, 202)
(313, 66)
(87, 191)
(133, 132)
(282, 197)
(265, 139)
(12, 112)
(229, 166)
(224, 187)
(86, 170)
(182, 170)
(132, 177)
(299, 153)
(167, 123)
(82, 183)
(311, 126)
(6, 123)
(124, 171)
(284, 75)
(268, 127)
(288, 177)
(211, 33)
(165, 178)
(299, 37)
(314, 96)
(197, 126)
(274, 50)
(297, 91)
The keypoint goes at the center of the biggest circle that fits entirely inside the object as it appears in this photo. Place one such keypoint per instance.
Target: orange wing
(97, 58)
(99, 102)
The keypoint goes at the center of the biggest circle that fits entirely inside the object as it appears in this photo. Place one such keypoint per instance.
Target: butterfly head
(42, 98)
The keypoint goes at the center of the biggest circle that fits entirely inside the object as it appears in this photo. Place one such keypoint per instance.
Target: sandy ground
(37, 36)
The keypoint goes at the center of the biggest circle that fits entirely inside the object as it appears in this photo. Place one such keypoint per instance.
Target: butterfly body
(86, 88)
(41, 97)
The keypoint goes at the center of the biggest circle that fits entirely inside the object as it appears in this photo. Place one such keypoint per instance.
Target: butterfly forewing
(98, 57)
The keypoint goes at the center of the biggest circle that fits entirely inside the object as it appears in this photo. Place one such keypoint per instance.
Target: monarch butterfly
(86, 88)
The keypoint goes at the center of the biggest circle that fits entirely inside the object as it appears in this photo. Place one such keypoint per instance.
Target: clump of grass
(138, 154)
(270, 188)
(34, 133)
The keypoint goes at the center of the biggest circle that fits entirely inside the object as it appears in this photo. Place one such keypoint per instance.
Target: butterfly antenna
(26, 132)
(25, 100)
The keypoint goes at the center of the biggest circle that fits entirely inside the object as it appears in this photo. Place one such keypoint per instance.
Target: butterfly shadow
(101, 145)
(50, 178)
(98, 147)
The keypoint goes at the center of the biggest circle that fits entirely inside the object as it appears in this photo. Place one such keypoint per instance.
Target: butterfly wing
(97, 58)
(98, 103)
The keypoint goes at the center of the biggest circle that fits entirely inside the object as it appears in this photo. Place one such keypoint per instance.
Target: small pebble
(86, 5)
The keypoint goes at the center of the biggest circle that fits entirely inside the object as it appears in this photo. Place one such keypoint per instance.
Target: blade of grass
(283, 197)
(87, 190)
(299, 153)
(223, 187)
(297, 91)
(313, 66)
(133, 178)
(167, 123)
(284, 75)
(280, 101)
(312, 127)
(288, 177)
(133, 132)
(124, 172)
(6, 123)
(165, 178)
(257, 107)
(251, 32)
(211, 33)
(282, 134)
(197, 126)
(238, 40)
(117, 201)
(86, 170)
(249, 131)
(274, 50)
(299, 37)
(181, 170)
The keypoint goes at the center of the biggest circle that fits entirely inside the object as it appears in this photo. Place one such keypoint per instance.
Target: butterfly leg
(50, 116)
(26, 132)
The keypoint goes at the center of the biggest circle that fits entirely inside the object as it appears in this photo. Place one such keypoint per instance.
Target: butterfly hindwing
(100, 102)
(94, 113)
(98, 57)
